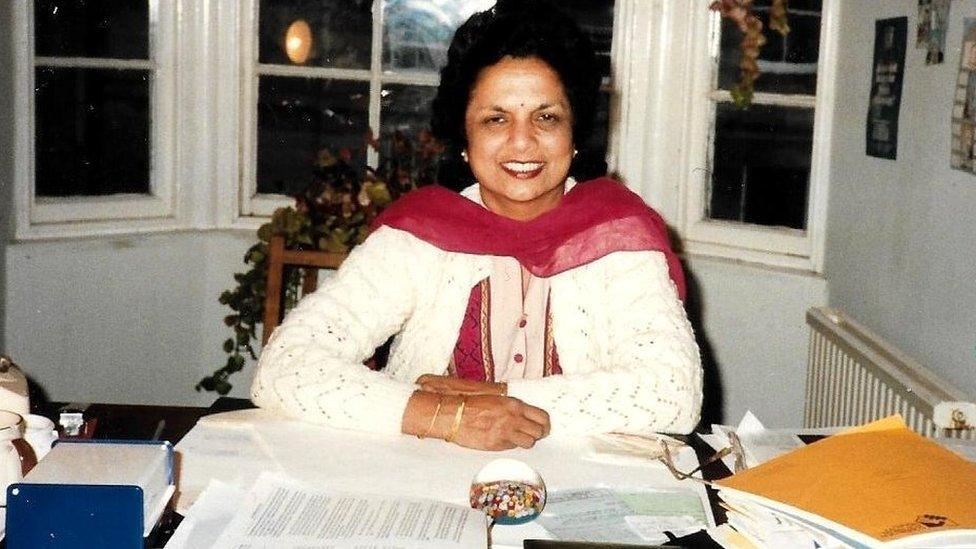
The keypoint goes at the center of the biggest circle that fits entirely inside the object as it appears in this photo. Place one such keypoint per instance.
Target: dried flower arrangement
(740, 12)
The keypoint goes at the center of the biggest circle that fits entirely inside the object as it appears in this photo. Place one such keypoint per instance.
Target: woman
(527, 303)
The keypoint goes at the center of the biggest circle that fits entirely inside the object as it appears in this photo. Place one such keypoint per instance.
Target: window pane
(596, 19)
(406, 109)
(761, 168)
(117, 29)
(787, 64)
(416, 35)
(298, 117)
(340, 33)
(92, 131)
(594, 153)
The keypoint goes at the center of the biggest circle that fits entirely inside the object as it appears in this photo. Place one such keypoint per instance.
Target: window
(95, 93)
(760, 194)
(325, 75)
(149, 115)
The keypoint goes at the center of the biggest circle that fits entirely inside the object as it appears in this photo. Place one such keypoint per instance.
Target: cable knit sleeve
(648, 375)
(312, 369)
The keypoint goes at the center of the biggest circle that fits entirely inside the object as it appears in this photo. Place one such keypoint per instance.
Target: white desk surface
(236, 446)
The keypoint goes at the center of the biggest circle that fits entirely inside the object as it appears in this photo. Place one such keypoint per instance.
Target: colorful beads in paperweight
(508, 491)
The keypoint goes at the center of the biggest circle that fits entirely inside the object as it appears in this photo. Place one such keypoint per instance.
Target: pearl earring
(464, 155)
(575, 152)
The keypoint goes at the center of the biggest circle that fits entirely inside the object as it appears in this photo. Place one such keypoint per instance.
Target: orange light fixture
(298, 41)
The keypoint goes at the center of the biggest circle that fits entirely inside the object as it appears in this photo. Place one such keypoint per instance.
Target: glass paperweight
(509, 492)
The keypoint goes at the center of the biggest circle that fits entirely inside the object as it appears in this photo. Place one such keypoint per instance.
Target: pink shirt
(518, 321)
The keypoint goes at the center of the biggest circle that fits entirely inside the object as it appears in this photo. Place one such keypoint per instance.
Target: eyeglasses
(734, 448)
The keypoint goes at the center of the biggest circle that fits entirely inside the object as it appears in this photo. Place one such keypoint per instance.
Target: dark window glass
(341, 32)
(595, 17)
(405, 109)
(593, 153)
(298, 118)
(761, 165)
(787, 64)
(92, 131)
(116, 29)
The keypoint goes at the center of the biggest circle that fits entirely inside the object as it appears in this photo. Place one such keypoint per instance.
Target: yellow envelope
(881, 479)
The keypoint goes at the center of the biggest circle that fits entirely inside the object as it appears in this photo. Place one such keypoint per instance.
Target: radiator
(854, 376)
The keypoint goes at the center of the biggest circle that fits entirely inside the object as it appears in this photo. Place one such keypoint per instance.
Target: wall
(901, 241)
(751, 328)
(124, 319)
(6, 161)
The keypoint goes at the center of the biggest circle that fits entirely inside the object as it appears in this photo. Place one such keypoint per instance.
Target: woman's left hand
(449, 385)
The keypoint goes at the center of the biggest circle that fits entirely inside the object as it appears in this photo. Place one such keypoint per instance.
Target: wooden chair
(278, 258)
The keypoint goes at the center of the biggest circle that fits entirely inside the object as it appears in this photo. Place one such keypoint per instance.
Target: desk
(133, 421)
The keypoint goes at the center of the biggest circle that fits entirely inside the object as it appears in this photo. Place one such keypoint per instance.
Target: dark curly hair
(516, 28)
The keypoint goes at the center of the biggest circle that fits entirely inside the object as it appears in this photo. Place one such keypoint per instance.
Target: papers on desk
(880, 485)
(757, 443)
(624, 516)
(280, 513)
(232, 452)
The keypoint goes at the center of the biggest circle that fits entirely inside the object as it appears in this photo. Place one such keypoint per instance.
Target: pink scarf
(595, 218)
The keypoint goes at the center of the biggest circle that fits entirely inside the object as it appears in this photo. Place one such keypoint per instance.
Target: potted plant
(333, 213)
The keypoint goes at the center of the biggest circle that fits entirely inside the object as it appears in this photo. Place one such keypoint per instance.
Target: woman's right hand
(488, 422)
(495, 422)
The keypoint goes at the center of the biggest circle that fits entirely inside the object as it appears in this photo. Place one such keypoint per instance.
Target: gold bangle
(432, 419)
(456, 427)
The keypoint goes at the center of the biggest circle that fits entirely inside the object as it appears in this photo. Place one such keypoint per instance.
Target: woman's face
(520, 137)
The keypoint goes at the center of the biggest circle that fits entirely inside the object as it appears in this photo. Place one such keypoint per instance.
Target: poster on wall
(933, 20)
(964, 105)
(890, 42)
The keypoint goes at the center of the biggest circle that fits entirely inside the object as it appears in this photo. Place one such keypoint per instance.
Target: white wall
(6, 162)
(123, 319)
(754, 337)
(901, 248)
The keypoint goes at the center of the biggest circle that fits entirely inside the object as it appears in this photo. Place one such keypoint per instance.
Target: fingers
(538, 416)
(522, 440)
(531, 428)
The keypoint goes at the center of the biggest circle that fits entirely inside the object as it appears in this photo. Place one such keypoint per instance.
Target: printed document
(282, 513)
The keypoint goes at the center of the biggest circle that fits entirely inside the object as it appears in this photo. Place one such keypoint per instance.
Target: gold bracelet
(433, 419)
(457, 422)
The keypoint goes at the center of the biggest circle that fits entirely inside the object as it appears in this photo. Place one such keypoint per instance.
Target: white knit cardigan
(628, 355)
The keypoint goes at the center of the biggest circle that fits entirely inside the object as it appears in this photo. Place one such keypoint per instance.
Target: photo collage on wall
(964, 106)
(933, 23)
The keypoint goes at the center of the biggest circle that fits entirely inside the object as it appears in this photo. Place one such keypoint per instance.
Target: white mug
(16, 456)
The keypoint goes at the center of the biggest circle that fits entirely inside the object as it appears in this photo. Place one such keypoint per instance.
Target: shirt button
(521, 323)
(518, 358)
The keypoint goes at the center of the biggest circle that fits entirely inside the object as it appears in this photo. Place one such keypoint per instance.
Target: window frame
(772, 246)
(57, 217)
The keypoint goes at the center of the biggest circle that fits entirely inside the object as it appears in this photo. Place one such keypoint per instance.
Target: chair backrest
(278, 259)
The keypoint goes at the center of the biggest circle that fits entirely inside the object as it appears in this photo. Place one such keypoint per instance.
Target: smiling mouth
(523, 170)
